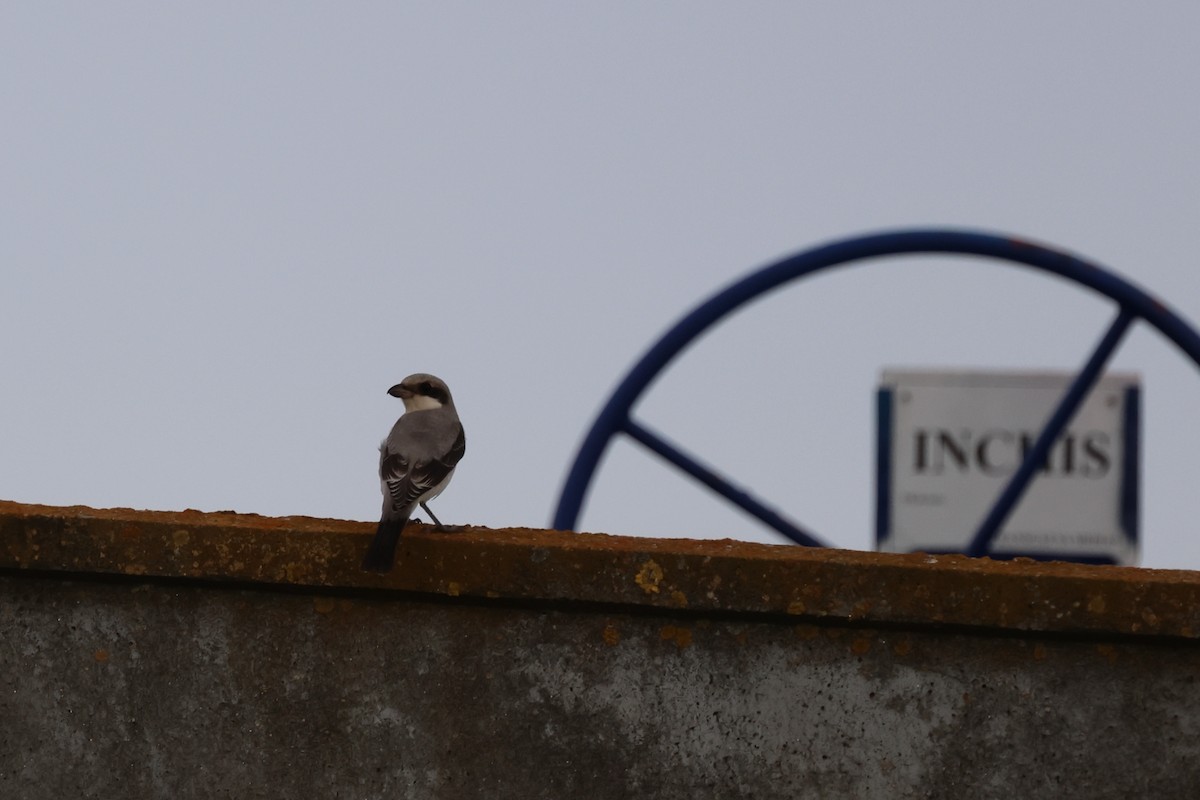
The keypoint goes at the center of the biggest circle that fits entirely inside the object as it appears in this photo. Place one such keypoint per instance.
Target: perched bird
(416, 461)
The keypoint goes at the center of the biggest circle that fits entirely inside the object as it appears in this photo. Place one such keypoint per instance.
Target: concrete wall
(189, 655)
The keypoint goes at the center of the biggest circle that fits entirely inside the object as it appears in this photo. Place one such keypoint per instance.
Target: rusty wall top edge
(529, 564)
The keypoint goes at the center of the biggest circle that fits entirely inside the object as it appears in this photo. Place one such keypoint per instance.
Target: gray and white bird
(416, 461)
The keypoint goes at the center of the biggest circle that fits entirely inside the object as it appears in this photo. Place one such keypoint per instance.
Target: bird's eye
(426, 388)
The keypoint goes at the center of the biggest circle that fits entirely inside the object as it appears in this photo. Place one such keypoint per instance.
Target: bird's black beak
(399, 391)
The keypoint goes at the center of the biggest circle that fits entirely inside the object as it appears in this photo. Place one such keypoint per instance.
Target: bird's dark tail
(381, 555)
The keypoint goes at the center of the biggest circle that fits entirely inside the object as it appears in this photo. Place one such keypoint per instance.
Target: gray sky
(228, 228)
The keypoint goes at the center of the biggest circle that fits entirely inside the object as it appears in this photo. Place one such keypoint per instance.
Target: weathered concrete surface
(122, 675)
(677, 574)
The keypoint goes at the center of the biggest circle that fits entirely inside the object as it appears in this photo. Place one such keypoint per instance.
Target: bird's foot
(439, 527)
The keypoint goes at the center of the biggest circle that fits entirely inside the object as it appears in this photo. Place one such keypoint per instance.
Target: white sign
(949, 442)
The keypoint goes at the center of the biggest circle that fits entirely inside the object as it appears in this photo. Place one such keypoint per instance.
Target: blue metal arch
(615, 416)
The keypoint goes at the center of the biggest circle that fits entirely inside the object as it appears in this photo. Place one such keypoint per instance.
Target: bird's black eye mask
(436, 392)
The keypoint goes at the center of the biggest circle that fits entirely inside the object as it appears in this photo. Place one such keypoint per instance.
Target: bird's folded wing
(408, 479)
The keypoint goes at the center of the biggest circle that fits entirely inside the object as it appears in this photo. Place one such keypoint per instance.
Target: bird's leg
(436, 521)
(438, 524)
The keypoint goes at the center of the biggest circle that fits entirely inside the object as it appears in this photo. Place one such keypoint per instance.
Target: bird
(416, 461)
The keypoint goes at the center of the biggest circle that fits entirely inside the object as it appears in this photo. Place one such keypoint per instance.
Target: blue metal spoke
(713, 480)
(1057, 423)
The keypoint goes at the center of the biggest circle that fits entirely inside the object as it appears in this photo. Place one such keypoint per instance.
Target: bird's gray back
(424, 435)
